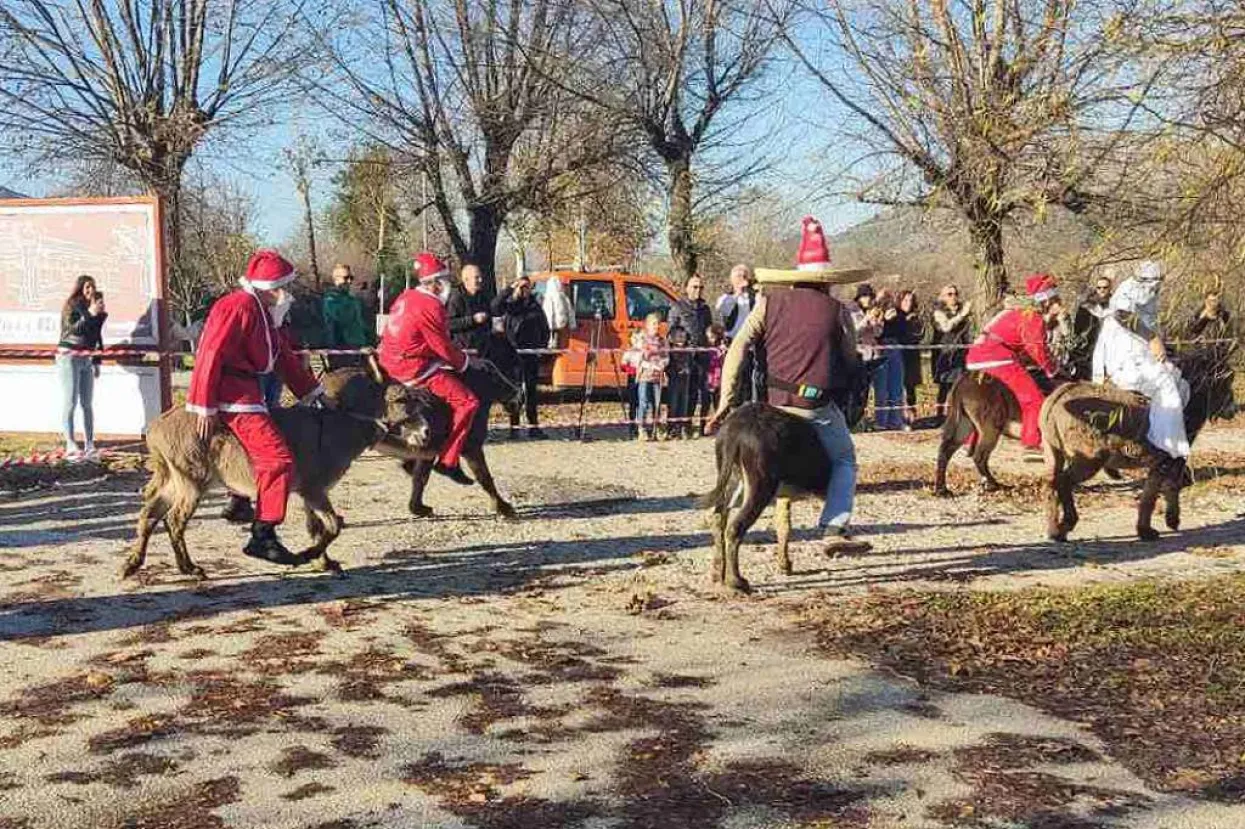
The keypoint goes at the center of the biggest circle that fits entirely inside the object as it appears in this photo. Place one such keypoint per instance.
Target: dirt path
(571, 669)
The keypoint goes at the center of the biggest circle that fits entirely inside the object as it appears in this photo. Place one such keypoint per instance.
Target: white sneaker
(72, 448)
(90, 451)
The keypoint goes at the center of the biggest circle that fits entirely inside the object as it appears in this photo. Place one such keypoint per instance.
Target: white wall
(126, 399)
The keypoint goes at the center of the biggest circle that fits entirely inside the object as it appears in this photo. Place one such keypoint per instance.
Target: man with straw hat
(810, 345)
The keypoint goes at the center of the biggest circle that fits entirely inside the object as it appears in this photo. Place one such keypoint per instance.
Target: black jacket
(80, 330)
(526, 326)
(464, 330)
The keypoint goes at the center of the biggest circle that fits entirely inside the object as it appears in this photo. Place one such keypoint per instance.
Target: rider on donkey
(416, 350)
(1130, 353)
(241, 341)
(1017, 336)
(809, 341)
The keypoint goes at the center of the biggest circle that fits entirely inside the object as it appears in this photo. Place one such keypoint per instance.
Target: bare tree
(682, 74)
(141, 82)
(988, 107)
(463, 92)
(300, 161)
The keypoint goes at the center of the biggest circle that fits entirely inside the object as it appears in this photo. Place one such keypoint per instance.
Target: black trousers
(529, 373)
(687, 394)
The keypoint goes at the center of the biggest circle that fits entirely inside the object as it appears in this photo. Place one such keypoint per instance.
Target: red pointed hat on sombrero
(1041, 287)
(812, 262)
(269, 270)
(428, 267)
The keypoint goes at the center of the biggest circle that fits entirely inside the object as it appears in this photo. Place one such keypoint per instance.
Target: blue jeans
(77, 382)
(836, 440)
(649, 400)
(271, 386)
(888, 391)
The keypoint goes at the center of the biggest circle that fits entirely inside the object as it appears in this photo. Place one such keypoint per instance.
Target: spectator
(526, 328)
(888, 398)
(733, 309)
(912, 335)
(650, 375)
(630, 365)
(868, 323)
(678, 385)
(953, 333)
(82, 323)
(716, 336)
(1212, 320)
(343, 320)
(468, 312)
(694, 316)
(1086, 324)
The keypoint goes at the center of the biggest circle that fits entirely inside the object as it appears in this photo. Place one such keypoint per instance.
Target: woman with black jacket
(82, 321)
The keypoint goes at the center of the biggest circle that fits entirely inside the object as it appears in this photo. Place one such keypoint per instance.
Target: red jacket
(1013, 334)
(416, 343)
(239, 343)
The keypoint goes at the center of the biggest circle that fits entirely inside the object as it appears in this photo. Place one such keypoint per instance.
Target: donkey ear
(395, 392)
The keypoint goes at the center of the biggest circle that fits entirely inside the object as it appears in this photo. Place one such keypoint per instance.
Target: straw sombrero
(812, 262)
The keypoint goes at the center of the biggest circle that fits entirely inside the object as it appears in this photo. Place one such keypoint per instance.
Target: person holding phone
(82, 324)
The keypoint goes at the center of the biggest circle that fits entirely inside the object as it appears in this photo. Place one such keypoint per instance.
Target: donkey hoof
(130, 568)
(421, 510)
(1147, 534)
(506, 511)
(1172, 521)
(942, 492)
(738, 587)
(1060, 537)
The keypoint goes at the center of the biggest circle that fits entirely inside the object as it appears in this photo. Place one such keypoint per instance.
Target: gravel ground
(573, 668)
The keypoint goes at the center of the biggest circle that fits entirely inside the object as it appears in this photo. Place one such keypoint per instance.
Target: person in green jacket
(343, 319)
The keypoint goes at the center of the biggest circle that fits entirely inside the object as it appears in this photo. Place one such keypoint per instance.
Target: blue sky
(795, 125)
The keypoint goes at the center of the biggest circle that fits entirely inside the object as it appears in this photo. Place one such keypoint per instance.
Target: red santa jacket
(239, 343)
(416, 343)
(1013, 334)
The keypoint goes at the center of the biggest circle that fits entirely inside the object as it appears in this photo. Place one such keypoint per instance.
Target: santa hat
(1041, 287)
(429, 268)
(268, 270)
(814, 254)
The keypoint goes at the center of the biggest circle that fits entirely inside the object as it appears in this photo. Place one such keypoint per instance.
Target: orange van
(609, 305)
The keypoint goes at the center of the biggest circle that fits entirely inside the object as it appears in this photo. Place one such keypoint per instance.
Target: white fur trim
(202, 411)
(988, 364)
(244, 408)
(1042, 296)
(812, 266)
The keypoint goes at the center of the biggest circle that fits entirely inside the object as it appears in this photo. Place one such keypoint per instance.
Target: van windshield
(643, 300)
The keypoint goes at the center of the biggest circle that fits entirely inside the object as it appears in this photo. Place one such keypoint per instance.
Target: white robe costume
(1124, 358)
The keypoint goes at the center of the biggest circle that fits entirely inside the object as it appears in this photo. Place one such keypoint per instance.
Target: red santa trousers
(1028, 395)
(463, 405)
(270, 458)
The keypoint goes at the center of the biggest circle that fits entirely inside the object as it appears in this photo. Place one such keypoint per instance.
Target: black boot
(238, 510)
(454, 473)
(265, 546)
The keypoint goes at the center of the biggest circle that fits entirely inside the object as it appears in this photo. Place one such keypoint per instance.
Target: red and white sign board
(45, 244)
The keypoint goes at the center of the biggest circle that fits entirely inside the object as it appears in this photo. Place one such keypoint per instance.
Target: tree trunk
(485, 228)
(680, 224)
(986, 233)
(304, 190)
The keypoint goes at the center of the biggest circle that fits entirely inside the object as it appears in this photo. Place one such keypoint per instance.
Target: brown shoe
(836, 543)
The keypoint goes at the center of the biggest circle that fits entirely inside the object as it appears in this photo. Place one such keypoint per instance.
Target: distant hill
(6, 193)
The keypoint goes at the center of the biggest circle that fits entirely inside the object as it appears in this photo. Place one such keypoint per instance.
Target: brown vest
(803, 331)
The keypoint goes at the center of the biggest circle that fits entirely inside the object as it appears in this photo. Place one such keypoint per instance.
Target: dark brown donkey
(354, 388)
(324, 444)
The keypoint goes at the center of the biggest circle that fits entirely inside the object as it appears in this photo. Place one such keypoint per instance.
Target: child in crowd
(630, 367)
(650, 374)
(716, 335)
(678, 385)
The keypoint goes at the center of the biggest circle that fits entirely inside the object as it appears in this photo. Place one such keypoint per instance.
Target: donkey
(359, 390)
(763, 454)
(324, 443)
(1086, 427)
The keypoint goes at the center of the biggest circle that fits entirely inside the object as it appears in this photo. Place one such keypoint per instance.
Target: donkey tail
(958, 427)
(726, 448)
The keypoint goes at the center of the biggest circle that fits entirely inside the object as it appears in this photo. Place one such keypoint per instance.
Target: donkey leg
(757, 495)
(1171, 501)
(152, 513)
(782, 525)
(478, 465)
(1054, 502)
(323, 526)
(1145, 506)
(419, 472)
(716, 518)
(176, 520)
(988, 439)
(946, 449)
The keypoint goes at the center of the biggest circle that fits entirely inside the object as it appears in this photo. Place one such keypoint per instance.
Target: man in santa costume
(1130, 353)
(416, 350)
(239, 343)
(1015, 338)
